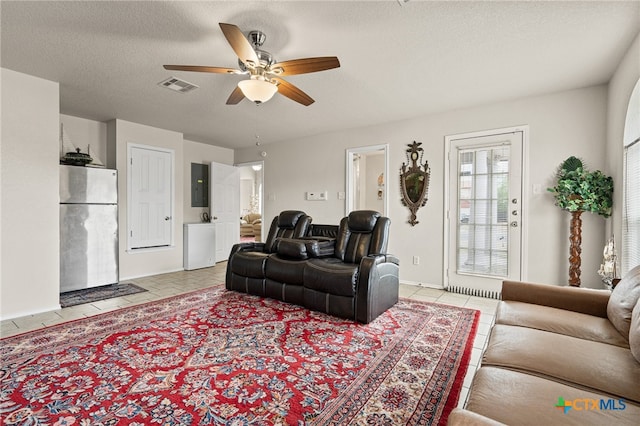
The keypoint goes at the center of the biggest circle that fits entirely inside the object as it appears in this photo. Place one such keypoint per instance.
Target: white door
(225, 207)
(150, 178)
(484, 212)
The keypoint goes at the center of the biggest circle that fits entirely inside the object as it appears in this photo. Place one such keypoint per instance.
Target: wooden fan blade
(292, 92)
(235, 97)
(198, 68)
(240, 44)
(304, 66)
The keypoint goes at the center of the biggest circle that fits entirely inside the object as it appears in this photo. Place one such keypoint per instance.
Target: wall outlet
(416, 260)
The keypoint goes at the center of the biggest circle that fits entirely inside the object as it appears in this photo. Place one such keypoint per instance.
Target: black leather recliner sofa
(340, 270)
(247, 261)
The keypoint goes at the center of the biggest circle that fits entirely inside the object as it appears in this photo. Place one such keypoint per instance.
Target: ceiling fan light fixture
(257, 90)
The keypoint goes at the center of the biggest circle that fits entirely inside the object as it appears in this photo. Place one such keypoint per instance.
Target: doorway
(484, 211)
(251, 201)
(367, 174)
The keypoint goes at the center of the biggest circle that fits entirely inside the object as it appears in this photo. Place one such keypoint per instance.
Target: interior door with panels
(225, 207)
(150, 181)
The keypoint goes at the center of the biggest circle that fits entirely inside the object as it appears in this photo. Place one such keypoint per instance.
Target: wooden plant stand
(575, 238)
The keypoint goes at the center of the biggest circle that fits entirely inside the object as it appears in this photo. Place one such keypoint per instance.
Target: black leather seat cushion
(331, 275)
(249, 264)
(285, 270)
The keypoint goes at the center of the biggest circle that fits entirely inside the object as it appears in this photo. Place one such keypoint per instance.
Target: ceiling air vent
(178, 85)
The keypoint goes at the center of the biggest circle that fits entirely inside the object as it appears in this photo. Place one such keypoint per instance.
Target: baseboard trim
(133, 277)
(421, 284)
(31, 312)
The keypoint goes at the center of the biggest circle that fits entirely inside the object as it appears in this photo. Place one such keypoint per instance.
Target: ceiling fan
(265, 74)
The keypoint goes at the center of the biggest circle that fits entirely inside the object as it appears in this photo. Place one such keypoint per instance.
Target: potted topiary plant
(578, 190)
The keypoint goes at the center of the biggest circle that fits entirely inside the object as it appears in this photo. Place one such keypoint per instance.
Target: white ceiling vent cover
(178, 85)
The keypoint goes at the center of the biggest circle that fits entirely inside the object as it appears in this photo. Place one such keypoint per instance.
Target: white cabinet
(199, 245)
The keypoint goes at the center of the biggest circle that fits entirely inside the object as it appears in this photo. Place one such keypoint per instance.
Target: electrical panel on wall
(199, 185)
(316, 196)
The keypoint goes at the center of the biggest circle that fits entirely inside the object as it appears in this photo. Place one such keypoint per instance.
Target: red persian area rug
(225, 358)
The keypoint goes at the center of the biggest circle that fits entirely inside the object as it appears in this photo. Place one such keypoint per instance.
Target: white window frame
(630, 209)
(631, 188)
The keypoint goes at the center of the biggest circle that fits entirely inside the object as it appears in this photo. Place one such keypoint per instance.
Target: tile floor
(165, 285)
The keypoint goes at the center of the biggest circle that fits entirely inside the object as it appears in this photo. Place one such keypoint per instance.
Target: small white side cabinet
(199, 245)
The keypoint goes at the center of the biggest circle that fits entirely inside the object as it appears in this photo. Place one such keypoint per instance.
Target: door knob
(514, 224)
(167, 217)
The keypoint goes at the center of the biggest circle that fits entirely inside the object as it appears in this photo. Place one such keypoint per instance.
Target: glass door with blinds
(485, 213)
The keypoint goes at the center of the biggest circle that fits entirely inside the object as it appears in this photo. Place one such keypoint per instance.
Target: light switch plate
(316, 196)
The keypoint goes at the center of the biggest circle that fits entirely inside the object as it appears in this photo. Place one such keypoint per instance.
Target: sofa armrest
(296, 248)
(246, 247)
(583, 300)
(385, 258)
(326, 245)
(378, 286)
(462, 417)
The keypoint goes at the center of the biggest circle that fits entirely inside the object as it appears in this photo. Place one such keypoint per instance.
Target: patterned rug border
(339, 411)
(439, 395)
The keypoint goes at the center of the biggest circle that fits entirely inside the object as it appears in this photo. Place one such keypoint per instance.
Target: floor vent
(178, 85)
(475, 292)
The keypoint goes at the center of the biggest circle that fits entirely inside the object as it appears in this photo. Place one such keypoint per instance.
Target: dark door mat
(88, 295)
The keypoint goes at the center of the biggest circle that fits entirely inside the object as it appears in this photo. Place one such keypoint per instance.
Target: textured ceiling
(397, 61)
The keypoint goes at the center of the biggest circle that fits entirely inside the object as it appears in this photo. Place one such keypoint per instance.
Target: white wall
(85, 132)
(620, 88)
(110, 141)
(88, 135)
(561, 124)
(152, 261)
(29, 261)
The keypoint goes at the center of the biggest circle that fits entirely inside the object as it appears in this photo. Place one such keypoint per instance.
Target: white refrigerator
(88, 227)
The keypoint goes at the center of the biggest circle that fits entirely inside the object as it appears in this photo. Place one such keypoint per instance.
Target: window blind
(631, 207)
(483, 229)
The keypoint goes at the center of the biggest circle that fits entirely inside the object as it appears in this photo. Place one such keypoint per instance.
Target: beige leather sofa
(248, 224)
(560, 356)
